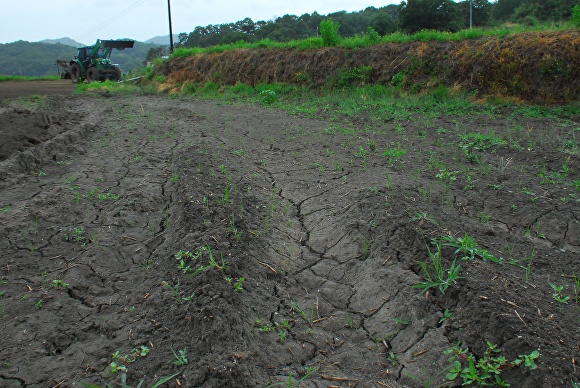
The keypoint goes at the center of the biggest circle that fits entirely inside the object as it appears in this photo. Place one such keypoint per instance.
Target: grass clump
(187, 258)
(436, 276)
(487, 369)
(467, 248)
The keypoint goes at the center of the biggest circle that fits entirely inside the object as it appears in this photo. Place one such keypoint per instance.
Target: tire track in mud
(319, 245)
(100, 245)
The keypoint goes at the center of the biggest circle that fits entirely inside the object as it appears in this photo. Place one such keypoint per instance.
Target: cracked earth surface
(100, 194)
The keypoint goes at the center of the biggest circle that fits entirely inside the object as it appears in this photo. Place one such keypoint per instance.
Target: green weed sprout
(467, 246)
(435, 275)
(486, 370)
(186, 257)
(59, 284)
(557, 295)
(180, 358)
(289, 383)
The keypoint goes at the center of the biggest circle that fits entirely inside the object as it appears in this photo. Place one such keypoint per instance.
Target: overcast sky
(87, 20)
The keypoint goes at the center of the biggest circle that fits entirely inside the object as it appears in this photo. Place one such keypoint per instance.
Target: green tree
(154, 53)
(442, 15)
(329, 32)
(505, 9)
(545, 10)
(575, 19)
(383, 23)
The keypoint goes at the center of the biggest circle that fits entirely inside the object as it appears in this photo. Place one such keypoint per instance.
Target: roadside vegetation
(372, 37)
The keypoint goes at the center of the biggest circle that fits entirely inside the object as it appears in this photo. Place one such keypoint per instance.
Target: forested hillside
(38, 59)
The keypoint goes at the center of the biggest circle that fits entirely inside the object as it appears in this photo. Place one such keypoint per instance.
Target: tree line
(409, 17)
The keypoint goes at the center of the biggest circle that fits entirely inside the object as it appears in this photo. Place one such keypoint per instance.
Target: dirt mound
(537, 66)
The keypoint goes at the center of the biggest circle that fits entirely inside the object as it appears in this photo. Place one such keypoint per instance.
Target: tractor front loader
(93, 63)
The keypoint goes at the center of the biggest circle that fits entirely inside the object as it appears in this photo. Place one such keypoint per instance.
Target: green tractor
(93, 63)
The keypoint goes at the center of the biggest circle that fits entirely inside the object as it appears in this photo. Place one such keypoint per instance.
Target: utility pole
(170, 28)
(470, 13)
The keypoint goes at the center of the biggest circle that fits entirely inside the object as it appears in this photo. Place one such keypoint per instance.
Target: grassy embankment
(358, 82)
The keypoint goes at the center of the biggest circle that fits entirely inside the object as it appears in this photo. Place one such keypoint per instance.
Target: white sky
(87, 20)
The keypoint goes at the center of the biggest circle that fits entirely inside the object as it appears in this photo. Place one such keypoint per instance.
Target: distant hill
(66, 41)
(163, 40)
(36, 59)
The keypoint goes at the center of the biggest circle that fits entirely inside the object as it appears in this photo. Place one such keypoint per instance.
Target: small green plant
(576, 287)
(365, 248)
(484, 217)
(422, 217)
(348, 321)
(486, 370)
(39, 304)
(264, 327)
(116, 368)
(235, 231)
(176, 292)
(268, 96)
(237, 284)
(446, 315)
(435, 275)
(394, 155)
(557, 295)
(186, 258)
(175, 177)
(290, 382)
(226, 197)
(119, 362)
(59, 284)
(393, 359)
(467, 247)
(282, 328)
(404, 321)
(446, 177)
(77, 235)
(107, 196)
(528, 260)
(399, 79)
(180, 358)
(308, 317)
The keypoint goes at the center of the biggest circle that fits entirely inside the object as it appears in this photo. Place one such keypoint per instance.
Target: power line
(109, 21)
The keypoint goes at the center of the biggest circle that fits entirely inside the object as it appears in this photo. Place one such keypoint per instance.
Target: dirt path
(269, 246)
(15, 89)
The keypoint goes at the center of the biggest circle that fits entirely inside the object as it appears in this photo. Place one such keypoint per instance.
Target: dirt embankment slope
(536, 66)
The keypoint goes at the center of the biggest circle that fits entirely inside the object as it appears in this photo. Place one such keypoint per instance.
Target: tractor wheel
(116, 76)
(93, 75)
(75, 73)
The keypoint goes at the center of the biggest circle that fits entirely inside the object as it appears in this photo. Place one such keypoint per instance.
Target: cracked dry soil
(99, 195)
